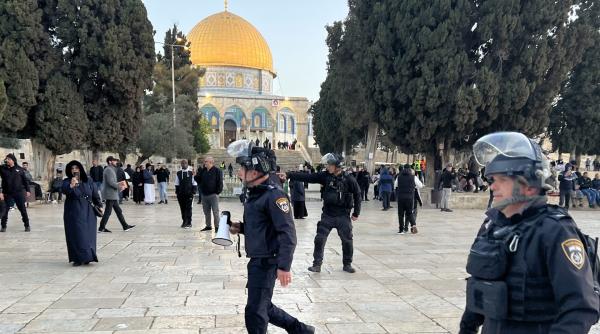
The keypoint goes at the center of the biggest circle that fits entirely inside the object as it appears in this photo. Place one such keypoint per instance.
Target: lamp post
(173, 46)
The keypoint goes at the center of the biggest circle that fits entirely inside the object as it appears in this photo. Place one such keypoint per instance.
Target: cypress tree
(21, 35)
(3, 99)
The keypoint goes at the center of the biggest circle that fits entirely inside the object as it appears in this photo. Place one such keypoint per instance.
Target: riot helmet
(252, 157)
(333, 159)
(512, 154)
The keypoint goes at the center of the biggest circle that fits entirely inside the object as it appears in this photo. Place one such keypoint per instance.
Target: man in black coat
(14, 188)
(211, 185)
(96, 173)
(405, 195)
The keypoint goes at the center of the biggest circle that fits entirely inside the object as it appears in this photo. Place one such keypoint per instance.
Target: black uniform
(185, 188)
(270, 244)
(405, 194)
(14, 187)
(340, 194)
(529, 274)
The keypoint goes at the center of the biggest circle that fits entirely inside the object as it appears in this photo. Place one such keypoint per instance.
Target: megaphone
(223, 238)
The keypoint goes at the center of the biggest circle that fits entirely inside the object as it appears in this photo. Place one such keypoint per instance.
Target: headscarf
(82, 175)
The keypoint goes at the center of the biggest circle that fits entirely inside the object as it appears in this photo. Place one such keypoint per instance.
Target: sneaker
(128, 227)
(183, 225)
(104, 230)
(348, 268)
(207, 228)
(443, 209)
(3, 229)
(401, 232)
(166, 202)
(449, 210)
(309, 329)
(161, 202)
(27, 229)
(188, 226)
(315, 269)
(413, 230)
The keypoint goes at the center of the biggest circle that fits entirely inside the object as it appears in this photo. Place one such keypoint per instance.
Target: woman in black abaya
(79, 217)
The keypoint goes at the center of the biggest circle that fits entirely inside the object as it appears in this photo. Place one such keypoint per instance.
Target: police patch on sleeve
(574, 251)
(283, 204)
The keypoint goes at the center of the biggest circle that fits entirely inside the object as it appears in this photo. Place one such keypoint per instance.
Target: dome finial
(226, 5)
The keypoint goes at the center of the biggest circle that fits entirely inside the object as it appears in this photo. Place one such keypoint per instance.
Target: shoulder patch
(283, 204)
(575, 252)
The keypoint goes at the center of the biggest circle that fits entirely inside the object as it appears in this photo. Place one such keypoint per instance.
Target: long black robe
(80, 221)
(138, 191)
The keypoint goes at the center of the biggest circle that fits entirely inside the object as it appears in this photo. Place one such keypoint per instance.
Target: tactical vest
(500, 287)
(337, 192)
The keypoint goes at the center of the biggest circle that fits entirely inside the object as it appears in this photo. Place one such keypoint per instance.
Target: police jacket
(96, 173)
(268, 225)
(13, 180)
(340, 193)
(405, 185)
(537, 282)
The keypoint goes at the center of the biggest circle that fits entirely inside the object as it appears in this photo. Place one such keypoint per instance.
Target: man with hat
(529, 264)
(14, 188)
(110, 193)
(341, 194)
(270, 238)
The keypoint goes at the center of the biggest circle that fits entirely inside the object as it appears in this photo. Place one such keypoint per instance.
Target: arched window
(286, 121)
(236, 114)
(259, 118)
(212, 115)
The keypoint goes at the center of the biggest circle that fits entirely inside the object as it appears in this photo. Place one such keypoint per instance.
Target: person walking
(96, 172)
(211, 184)
(149, 194)
(15, 188)
(529, 265)
(138, 184)
(341, 195)
(386, 184)
(79, 216)
(566, 186)
(162, 178)
(270, 239)
(364, 180)
(185, 188)
(230, 170)
(405, 195)
(447, 178)
(110, 193)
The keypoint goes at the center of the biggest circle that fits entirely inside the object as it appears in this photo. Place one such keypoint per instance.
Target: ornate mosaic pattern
(236, 78)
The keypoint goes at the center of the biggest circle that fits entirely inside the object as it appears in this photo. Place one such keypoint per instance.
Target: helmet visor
(239, 148)
(329, 159)
(509, 144)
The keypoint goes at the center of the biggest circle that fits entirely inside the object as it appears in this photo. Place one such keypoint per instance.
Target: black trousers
(19, 199)
(108, 208)
(364, 189)
(343, 225)
(260, 311)
(405, 214)
(385, 197)
(185, 205)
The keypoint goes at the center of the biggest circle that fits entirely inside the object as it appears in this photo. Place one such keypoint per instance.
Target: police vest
(499, 287)
(337, 192)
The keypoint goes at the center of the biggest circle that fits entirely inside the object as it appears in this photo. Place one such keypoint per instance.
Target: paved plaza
(159, 278)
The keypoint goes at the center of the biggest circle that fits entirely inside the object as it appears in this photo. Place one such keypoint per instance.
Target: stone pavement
(160, 278)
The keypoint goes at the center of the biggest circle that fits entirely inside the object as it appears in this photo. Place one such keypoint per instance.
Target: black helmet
(512, 154)
(252, 157)
(332, 159)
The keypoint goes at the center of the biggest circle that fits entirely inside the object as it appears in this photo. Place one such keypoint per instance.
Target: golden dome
(225, 39)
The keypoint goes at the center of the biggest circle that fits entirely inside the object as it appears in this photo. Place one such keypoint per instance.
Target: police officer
(341, 193)
(270, 238)
(14, 188)
(530, 272)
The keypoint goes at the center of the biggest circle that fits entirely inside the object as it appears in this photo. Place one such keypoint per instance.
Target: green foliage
(575, 119)
(3, 99)
(181, 55)
(109, 47)
(61, 122)
(448, 71)
(21, 34)
(158, 137)
(200, 131)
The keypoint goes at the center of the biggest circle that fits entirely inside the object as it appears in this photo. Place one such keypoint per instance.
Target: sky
(294, 30)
